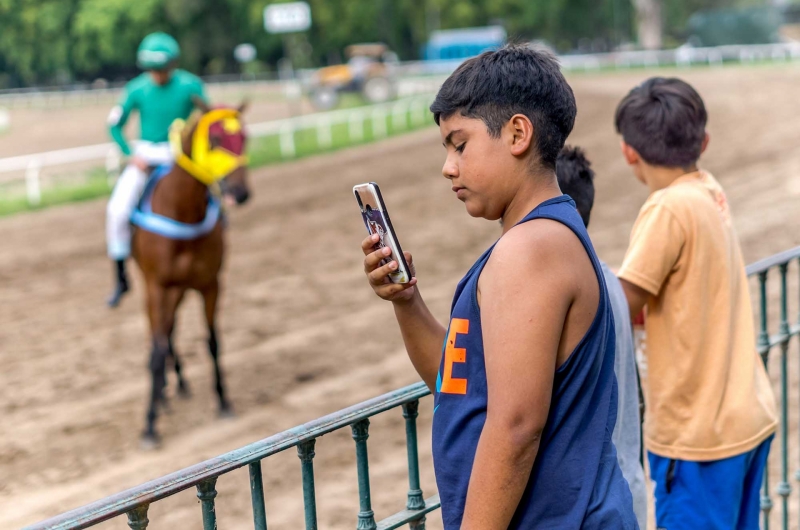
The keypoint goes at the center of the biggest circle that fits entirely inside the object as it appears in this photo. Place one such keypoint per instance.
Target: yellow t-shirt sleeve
(657, 240)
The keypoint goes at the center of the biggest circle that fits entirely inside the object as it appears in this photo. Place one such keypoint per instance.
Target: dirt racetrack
(302, 334)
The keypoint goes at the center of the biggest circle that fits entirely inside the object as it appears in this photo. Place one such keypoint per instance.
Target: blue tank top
(576, 481)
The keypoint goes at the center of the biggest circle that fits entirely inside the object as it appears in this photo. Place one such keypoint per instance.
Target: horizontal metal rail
(765, 264)
(202, 473)
(135, 501)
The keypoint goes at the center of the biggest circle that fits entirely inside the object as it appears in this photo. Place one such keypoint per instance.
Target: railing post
(206, 492)
(324, 135)
(399, 116)
(417, 110)
(763, 350)
(355, 126)
(415, 499)
(32, 187)
(305, 451)
(378, 123)
(797, 473)
(287, 141)
(137, 518)
(257, 496)
(366, 517)
(784, 488)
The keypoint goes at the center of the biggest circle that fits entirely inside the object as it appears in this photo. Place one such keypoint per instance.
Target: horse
(209, 166)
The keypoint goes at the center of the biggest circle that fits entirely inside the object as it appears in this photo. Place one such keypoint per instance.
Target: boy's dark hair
(576, 179)
(665, 121)
(515, 79)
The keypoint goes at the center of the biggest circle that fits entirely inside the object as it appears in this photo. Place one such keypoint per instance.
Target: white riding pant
(126, 194)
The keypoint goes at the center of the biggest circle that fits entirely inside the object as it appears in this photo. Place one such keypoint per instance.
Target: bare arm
(636, 297)
(423, 335)
(522, 322)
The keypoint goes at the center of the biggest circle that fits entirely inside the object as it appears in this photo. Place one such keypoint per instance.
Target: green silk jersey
(158, 106)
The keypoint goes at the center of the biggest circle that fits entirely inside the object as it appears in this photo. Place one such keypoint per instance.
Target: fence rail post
(763, 350)
(137, 518)
(366, 517)
(415, 498)
(355, 126)
(399, 116)
(257, 496)
(417, 110)
(324, 135)
(305, 451)
(784, 489)
(378, 123)
(287, 141)
(797, 473)
(206, 492)
(32, 185)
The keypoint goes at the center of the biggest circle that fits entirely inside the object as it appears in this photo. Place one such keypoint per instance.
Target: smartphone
(376, 219)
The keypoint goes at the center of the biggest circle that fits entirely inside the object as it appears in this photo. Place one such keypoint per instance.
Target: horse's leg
(174, 298)
(156, 298)
(210, 296)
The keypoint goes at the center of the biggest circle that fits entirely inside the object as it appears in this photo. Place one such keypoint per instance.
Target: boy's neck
(533, 191)
(658, 177)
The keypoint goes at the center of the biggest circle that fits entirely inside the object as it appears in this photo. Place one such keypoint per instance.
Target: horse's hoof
(150, 442)
(226, 412)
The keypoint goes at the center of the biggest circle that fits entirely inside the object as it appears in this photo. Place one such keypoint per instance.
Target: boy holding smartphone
(523, 376)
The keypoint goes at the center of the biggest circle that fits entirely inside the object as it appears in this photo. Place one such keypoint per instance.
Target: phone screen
(376, 225)
(376, 219)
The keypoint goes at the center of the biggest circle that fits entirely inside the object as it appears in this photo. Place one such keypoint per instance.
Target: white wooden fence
(413, 108)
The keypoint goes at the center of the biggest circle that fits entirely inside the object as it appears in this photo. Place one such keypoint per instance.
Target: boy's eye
(460, 148)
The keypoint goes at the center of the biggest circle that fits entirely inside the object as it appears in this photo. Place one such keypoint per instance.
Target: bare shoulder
(540, 246)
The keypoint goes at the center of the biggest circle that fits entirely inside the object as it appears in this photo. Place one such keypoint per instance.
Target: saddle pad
(144, 218)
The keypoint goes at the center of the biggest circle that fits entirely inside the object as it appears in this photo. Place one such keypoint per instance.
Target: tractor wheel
(324, 98)
(378, 90)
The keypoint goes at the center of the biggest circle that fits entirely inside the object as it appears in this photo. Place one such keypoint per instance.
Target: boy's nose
(449, 169)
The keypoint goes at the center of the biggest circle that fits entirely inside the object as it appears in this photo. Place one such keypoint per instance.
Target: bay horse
(209, 162)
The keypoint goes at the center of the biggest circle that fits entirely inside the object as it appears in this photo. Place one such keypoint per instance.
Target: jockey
(161, 94)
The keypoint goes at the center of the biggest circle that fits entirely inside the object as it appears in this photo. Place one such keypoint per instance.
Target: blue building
(450, 44)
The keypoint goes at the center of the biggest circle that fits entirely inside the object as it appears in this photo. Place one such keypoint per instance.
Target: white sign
(244, 53)
(287, 18)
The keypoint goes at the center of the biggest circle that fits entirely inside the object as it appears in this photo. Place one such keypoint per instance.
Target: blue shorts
(717, 495)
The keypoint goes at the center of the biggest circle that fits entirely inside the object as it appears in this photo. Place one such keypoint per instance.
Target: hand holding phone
(386, 265)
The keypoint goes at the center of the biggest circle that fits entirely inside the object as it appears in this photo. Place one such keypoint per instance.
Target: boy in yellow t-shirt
(710, 409)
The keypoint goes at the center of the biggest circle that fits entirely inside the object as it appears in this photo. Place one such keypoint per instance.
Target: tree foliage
(47, 41)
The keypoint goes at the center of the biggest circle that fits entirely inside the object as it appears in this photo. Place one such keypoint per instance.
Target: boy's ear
(703, 147)
(630, 154)
(521, 130)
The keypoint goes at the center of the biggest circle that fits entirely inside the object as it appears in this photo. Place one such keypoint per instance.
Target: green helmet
(156, 51)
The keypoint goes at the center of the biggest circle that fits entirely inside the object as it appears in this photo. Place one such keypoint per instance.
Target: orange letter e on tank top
(451, 385)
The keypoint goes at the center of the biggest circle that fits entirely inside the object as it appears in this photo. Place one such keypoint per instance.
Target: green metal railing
(766, 343)
(136, 501)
